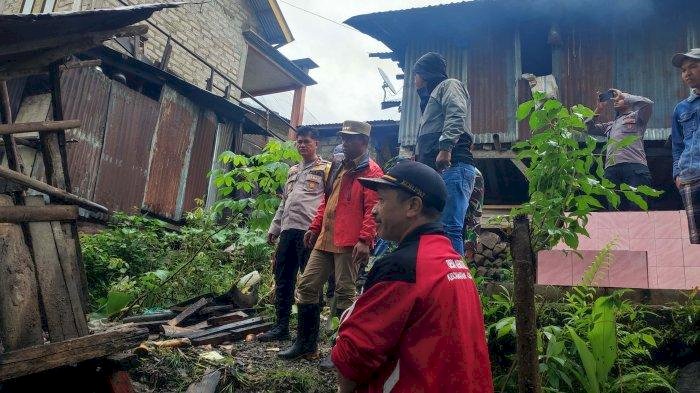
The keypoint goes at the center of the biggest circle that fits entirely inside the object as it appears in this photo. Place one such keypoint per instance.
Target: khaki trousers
(316, 273)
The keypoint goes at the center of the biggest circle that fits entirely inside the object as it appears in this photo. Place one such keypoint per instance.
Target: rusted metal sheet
(583, 64)
(643, 64)
(224, 142)
(491, 81)
(201, 159)
(170, 155)
(131, 121)
(85, 96)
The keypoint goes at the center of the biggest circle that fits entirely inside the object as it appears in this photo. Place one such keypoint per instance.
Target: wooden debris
(179, 307)
(162, 316)
(41, 126)
(119, 382)
(226, 308)
(233, 335)
(44, 357)
(19, 214)
(208, 384)
(189, 311)
(227, 327)
(227, 318)
(172, 343)
(62, 306)
(52, 191)
(20, 321)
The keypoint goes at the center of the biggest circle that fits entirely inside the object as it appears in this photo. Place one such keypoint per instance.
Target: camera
(607, 96)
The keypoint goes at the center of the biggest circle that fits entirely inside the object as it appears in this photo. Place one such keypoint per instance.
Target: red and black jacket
(418, 325)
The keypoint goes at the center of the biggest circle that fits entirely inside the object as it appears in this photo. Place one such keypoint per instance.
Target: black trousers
(290, 258)
(631, 174)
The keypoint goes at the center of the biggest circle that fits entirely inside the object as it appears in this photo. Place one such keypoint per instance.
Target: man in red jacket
(341, 236)
(418, 324)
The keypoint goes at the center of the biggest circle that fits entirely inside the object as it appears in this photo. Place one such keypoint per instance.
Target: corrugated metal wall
(85, 96)
(492, 83)
(583, 64)
(200, 162)
(224, 141)
(170, 155)
(130, 124)
(643, 65)
(487, 66)
(410, 109)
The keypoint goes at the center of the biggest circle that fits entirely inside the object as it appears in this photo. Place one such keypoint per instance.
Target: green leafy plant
(259, 177)
(565, 173)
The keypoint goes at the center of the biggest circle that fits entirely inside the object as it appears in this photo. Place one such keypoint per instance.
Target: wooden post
(210, 81)
(525, 316)
(165, 59)
(14, 160)
(53, 144)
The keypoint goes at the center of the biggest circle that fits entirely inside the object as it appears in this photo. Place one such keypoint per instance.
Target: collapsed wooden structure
(43, 288)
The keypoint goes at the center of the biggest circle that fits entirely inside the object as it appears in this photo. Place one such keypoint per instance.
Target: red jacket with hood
(418, 325)
(353, 214)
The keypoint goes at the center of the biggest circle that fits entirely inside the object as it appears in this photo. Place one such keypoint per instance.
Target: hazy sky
(349, 86)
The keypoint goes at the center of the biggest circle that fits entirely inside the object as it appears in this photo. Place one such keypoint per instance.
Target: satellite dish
(387, 82)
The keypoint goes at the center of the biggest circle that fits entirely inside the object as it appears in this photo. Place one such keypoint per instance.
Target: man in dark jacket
(418, 325)
(445, 138)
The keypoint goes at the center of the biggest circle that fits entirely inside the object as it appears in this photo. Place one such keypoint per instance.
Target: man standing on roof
(302, 194)
(418, 324)
(685, 138)
(445, 138)
(341, 235)
(628, 164)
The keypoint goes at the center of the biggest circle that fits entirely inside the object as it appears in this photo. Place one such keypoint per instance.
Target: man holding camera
(624, 164)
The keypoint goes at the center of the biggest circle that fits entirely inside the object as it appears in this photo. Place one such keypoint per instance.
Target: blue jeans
(459, 179)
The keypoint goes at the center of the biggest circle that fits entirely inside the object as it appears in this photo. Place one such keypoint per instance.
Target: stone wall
(213, 30)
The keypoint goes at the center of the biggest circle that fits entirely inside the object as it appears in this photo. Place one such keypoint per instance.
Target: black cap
(415, 178)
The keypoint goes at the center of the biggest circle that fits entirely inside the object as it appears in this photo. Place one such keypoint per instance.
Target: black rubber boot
(306, 343)
(326, 362)
(280, 331)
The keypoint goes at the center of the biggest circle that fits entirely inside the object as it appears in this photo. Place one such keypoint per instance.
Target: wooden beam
(81, 64)
(54, 192)
(519, 164)
(232, 335)
(45, 357)
(162, 317)
(19, 214)
(227, 327)
(20, 321)
(39, 126)
(189, 311)
(227, 318)
(483, 154)
(14, 160)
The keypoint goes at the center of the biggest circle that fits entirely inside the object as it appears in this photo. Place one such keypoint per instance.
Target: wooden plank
(225, 308)
(40, 126)
(208, 384)
(189, 311)
(119, 382)
(20, 321)
(71, 275)
(213, 339)
(53, 144)
(52, 191)
(44, 357)
(227, 318)
(227, 327)
(53, 290)
(233, 335)
(19, 214)
(162, 317)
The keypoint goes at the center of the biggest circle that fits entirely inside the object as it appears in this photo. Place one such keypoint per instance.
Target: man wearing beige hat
(685, 138)
(341, 235)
